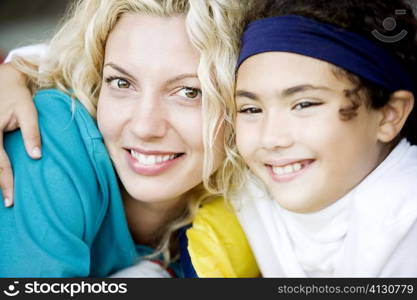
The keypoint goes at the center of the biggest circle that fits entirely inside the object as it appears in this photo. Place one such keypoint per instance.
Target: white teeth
(151, 159)
(278, 170)
(288, 169)
(296, 166)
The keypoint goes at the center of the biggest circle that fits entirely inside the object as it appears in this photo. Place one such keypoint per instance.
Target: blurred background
(24, 22)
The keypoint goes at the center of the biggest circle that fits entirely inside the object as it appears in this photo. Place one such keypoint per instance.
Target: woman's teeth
(151, 159)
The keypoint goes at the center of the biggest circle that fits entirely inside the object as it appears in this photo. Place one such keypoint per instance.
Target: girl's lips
(152, 169)
(298, 168)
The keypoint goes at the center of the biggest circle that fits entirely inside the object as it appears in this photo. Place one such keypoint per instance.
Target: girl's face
(291, 135)
(149, 109)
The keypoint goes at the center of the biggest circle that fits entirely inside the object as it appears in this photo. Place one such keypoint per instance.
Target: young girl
(324, 110)
(147, 71)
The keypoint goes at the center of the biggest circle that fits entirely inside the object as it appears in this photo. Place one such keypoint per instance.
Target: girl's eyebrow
(246, 94)
(284, 93)
(302, 88)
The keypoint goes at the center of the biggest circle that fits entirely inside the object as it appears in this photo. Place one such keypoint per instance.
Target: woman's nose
(148, 119)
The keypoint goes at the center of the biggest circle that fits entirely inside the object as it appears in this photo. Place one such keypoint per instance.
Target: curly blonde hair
(75, 60)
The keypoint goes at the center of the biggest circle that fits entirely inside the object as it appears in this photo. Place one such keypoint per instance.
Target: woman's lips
(152, 164)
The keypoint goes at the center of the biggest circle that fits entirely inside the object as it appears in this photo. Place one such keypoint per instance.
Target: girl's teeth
(151, 159)
(278, 170)
(288, 169)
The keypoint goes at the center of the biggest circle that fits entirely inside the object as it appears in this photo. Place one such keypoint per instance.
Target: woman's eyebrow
(181, 77)
(120, 69)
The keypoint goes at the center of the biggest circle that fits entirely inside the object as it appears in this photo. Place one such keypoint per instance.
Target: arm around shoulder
(58, 202)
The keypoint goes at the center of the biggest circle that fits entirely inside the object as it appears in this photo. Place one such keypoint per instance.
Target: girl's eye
(189, 92)
(118, 83)
(305, 104)
(249, 110)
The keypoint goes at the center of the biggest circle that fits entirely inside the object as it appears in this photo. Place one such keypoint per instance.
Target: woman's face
(149, 109)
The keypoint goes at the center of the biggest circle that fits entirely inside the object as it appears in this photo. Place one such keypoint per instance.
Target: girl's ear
(394, 114)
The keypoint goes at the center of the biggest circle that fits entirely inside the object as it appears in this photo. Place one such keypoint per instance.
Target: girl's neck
(147, 220)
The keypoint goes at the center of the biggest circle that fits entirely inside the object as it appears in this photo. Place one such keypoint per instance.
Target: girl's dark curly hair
(360, 17)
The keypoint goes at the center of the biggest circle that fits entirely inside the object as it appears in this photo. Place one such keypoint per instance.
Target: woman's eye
(249, 110)
(189, 92)
(305, 104)
(118, 83)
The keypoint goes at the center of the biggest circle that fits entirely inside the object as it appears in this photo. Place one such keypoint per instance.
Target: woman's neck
(147, 219)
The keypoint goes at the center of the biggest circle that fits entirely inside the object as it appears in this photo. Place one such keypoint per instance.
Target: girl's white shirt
(370, 232)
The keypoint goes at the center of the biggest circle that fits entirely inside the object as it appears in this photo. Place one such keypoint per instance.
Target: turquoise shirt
(68, 218)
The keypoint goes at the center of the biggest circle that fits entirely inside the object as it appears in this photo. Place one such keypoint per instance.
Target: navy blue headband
(350, 51)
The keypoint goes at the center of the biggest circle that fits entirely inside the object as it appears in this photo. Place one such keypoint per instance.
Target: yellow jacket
(217, 246)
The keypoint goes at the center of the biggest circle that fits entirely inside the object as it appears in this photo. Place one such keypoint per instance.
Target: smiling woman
(155, 74)
(149, 139)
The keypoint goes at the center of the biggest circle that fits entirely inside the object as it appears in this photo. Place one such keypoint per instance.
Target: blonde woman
(155, 75)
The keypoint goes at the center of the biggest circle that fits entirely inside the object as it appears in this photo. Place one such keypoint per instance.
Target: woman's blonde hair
(76, 54)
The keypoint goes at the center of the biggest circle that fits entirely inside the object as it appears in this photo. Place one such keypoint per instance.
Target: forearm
(16, 110)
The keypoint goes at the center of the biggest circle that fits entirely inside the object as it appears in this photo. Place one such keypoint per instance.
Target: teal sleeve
(65, 201)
